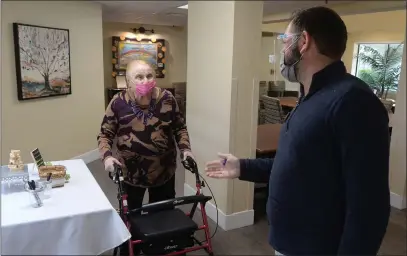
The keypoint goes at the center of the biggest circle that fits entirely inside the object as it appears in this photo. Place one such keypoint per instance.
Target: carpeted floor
(252, 240)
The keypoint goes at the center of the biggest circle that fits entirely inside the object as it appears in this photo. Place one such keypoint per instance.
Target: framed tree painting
(43, 65)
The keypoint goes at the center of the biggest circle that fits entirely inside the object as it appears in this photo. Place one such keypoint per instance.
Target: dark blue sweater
(329, 186)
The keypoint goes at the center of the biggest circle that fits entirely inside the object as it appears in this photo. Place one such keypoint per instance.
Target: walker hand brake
(117, 174)
(190, 164)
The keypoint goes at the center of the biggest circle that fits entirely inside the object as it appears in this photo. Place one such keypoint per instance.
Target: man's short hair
(325, 26)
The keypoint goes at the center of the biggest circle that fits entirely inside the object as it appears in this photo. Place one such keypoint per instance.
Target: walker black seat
(160, 228)
(162, 224)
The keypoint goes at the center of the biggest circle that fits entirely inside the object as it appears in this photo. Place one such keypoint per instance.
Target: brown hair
(325, 26)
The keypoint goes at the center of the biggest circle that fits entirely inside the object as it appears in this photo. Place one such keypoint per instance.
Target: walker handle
(115, 175)
(191, 165)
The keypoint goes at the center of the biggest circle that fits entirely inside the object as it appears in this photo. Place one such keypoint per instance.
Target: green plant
(384, 69)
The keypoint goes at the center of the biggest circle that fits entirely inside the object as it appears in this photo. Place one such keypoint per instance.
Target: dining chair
(388, 104)
(276, 88)
(181, 95)
(273, 112)
(291, 94)
(263, 88)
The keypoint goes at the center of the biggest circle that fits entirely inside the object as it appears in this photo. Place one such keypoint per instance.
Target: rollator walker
(161, 228)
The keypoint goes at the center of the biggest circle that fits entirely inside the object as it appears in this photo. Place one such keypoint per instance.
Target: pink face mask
(145, 88)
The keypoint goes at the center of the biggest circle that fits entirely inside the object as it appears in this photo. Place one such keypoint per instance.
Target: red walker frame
(198, 198)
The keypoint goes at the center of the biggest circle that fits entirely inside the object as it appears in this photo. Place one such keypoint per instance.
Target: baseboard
(397, 201)
(226, 222)
(89, 156)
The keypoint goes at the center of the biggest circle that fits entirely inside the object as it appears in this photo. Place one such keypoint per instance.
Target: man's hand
(110, 162)
(227, 167)
(187, 153)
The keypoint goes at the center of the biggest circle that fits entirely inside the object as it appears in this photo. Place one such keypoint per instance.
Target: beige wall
(61, 127)
(176, 55)
(216, 136)
(278, 27)
(224, 61)
(398, 141)
(246, 95)
(1, 104)
(267, 48)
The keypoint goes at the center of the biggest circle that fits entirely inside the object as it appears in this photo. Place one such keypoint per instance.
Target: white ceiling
(145, 12)
(167, 13)
(283, 6)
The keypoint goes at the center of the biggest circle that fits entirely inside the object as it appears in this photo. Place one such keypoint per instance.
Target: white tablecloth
(77, 220)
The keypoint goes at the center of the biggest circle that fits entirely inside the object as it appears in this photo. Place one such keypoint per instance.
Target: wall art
(43, 65)
(128, 49)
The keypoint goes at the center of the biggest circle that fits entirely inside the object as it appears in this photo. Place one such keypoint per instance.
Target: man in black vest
(329, 188)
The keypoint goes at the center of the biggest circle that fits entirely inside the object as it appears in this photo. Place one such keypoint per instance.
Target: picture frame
(43, 61)
(126, 49)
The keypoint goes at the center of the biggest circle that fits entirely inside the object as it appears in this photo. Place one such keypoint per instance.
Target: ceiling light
(183, 7)
(142, 30)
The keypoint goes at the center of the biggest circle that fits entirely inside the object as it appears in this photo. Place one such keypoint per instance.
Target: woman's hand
(110, 162)
(187, 153)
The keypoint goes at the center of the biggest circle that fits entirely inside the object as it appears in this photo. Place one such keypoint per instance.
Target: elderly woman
(145, 120)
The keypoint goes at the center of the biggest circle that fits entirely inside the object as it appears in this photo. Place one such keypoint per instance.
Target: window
(379, 65)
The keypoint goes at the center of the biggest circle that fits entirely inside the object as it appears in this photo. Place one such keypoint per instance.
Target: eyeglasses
(286, 36)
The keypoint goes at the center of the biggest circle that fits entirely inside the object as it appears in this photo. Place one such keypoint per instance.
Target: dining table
(267, 139)
(77, 219)
(267, 143)
(288, 102)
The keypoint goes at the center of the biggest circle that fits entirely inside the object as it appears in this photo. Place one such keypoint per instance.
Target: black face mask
(289, 61)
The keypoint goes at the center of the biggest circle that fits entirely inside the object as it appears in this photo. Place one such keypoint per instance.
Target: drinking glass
(36, 196)
(47, 188)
